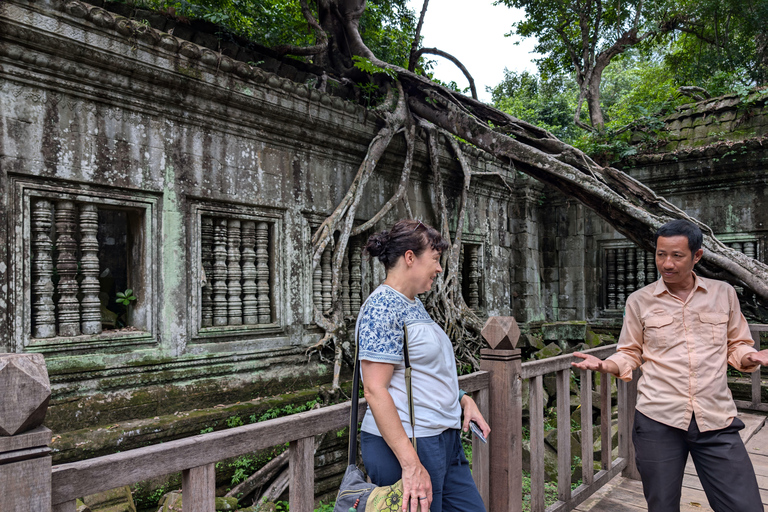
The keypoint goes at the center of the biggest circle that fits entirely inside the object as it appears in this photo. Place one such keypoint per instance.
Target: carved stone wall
(133, 159)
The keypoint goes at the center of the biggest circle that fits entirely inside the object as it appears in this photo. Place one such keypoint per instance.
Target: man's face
(674, 260)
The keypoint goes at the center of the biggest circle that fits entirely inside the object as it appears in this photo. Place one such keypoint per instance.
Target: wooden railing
(756, 403)
(196, 457)
(561, 366)
(497, 466)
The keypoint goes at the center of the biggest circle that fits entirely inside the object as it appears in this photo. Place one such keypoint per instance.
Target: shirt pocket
(658, 329)
(714, 326)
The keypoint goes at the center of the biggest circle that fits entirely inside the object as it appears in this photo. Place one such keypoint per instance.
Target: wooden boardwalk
(624, 495)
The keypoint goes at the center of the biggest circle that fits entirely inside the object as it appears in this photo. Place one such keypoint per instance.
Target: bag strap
(353, 413)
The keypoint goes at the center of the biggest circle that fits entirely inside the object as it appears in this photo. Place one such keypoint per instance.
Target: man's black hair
(682, 227)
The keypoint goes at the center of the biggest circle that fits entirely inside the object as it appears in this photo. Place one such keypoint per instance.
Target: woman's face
(425, 269)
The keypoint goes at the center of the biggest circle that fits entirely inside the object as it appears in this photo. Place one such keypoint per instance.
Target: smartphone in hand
(476, 430)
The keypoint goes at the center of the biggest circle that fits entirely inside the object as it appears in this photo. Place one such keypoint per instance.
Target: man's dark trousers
(721, 461)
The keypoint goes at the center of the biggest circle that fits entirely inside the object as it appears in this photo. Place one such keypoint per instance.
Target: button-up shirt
(683, 349)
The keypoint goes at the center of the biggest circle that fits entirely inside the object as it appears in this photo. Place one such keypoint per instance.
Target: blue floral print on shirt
(380, 326)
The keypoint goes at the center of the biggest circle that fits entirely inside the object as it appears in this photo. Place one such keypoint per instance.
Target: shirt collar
(661, 286)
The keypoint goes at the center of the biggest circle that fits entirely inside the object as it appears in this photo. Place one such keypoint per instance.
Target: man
(684, 330)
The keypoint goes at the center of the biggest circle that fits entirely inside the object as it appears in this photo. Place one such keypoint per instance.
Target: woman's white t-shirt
(434, 383)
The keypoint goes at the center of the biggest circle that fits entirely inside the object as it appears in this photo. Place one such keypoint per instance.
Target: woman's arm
(416, 481)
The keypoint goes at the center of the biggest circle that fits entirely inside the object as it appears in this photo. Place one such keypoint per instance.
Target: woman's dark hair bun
(405, 235)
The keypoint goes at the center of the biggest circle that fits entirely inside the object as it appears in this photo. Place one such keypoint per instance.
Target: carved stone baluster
(317, 286)
(250, 301)
(749, 249)
(650, 267)
(234, 274)
(355, 277)
(206, 254)
(220, 272)
(345, 284)
(90, 318)
(737, 246)
(631, 286)
(325, 264)
(474, 276)
(640, 267)
(621, 277)
(66, 265)
(610, 270)
(43, 309)
(262, 272)
(462, 251)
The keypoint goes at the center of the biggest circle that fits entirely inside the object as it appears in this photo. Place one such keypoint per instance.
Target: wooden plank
(760, 463)
(627, 401)
(198, 489)
(583, 492)
(475, 381)
(605, 421)
(301, 465)
(564, 435)
(536, 424)
(531, 369)
(587, 439)
(756, 389)
(480, 455)
(76, 479)
(759, 443)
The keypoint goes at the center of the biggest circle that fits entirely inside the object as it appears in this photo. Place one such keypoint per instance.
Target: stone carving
(220, 272)
(262, 272)
(25, 402)
(325, 265)
(206, 254)
(43, 316)
(474, 277)
(355, 276)
(501, 332)
(345, 284)
(250, 302)
(90, 318)
(610, 262)
(620, 276)
(234, 273)
(66, 265)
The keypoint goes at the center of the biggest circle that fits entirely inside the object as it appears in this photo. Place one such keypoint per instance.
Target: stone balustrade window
(471, 275)
(77, 253)
(238, 268)
(352, 279)
(627, 268)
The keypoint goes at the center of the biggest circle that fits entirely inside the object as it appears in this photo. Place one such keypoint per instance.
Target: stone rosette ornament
(25, 391)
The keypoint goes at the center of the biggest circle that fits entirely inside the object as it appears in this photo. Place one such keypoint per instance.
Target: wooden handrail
(563, 362)
(77, 479)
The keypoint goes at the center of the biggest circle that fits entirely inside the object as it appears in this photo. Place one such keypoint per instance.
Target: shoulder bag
(355, 493)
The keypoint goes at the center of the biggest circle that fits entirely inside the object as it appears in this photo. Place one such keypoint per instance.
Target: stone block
(501, 332)
(700, 131)
(551, 350)
(686, 122)
(26, 391)
(564, 331)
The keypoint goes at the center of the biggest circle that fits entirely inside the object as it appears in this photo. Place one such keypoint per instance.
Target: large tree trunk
(631, 207)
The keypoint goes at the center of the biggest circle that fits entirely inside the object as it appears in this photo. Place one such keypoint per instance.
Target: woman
(437, 478)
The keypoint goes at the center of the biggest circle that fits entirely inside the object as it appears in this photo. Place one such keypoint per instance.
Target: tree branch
(322, 39)
(413, 59)
(441, 53)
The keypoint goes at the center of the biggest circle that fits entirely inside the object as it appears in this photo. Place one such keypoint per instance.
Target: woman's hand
(417, 488)
(472, 413)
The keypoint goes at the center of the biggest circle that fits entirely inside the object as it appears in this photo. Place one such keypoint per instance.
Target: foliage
(125, 298)
(724, 45)
(547, 102)
(387, 26)
(286, 410)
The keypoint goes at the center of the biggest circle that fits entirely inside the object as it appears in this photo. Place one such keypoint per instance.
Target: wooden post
(198, 489)
(25, 460)
(505, 445)
(480, 453)
(627, 402)
(301, 493)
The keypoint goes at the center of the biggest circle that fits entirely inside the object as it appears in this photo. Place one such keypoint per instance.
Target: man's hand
(754, 358)
(594, 364)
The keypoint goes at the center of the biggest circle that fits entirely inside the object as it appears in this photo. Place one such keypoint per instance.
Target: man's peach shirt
(683, 349)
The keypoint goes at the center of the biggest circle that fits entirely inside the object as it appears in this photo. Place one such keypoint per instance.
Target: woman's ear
(409, 257)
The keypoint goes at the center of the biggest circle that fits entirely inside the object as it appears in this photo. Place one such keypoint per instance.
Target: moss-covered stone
(551, 350)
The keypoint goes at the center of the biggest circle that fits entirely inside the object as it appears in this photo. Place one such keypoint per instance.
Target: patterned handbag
(355, 493)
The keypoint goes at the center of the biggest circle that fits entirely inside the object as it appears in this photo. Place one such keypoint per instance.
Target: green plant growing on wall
(125, 298)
